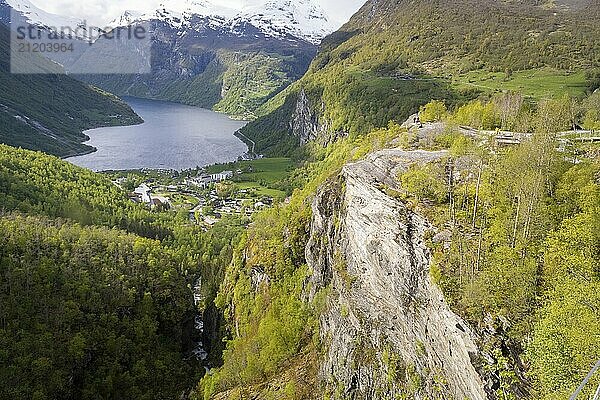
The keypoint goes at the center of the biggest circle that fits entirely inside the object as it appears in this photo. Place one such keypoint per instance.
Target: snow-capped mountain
(302, 19)
(231, 60)
(33, 15)
(177, 14)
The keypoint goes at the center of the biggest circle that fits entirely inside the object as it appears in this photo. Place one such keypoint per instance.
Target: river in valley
(173, 136)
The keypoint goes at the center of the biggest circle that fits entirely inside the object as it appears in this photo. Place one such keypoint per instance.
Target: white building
(202, 181)
(222, 176)
(205, 180)
(144, 192)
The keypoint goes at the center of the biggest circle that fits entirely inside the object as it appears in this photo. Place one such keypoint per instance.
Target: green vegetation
(387, 62)
(95, 298)
(511, 111)
(266, 176)
(233, 81)
(89, 313)
(425, 182)
(252, 79)
(502, 210)
(524, 250)
(88, 310)
(269, 322)
(268, 170)
(38, 184)
(538, 83)
(433, 111)
(49, 112)
(358, 102)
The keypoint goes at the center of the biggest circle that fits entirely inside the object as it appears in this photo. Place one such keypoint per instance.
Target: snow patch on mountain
(35, 16)
(177, 13)
(301, 19)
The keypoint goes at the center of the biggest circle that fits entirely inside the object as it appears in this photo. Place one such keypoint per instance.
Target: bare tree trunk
(450, 186)
(516, 224)
(461, 262)
(479, 246)
(477, 193)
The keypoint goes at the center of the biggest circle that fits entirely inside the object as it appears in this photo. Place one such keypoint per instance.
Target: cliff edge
(387, 330)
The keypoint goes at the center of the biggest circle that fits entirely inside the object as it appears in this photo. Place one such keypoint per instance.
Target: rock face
(387, 329)
(306, 124)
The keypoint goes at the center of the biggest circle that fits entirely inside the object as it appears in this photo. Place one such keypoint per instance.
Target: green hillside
(103, 318)
(38, 184)
(95, 290)
(521, 266)
(396, 55)
(49, 112)
(230, 73)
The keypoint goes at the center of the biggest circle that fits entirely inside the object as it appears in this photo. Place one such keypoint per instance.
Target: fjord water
(173, 136)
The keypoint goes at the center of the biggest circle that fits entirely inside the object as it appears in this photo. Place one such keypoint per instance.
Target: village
(203, 195)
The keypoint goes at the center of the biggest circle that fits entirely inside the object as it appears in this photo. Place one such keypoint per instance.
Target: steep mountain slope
(460, 271)
(385, 312)
(38, 17)
(49, 112)
(394, 55)
(220, 58)
(87, 310)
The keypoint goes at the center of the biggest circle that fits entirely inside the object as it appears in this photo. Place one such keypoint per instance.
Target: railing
(585, 382)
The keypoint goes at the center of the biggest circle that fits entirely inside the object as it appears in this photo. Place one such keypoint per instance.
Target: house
(144, 193)
(119, 182)
(202, 181)
(222, 176)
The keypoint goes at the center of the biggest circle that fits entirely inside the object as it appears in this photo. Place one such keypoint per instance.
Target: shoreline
(87, 138)
(249, 145)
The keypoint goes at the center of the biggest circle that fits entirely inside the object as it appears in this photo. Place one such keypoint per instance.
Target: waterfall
(198, 351)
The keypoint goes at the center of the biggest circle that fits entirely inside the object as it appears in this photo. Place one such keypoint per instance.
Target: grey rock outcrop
(307, 125)
(387, 329)
(304, 123)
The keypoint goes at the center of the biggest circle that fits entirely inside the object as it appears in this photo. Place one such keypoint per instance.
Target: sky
(100, 12)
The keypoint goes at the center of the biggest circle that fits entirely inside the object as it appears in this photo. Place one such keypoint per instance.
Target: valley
(206, 195)
(406, 206)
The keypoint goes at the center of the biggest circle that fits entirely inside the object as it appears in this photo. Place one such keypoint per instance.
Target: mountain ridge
(301, 19)
(392, 50)
(232, 61)
(231, 66)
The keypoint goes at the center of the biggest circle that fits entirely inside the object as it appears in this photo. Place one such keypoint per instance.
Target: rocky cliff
(387, 330)
(306, 124)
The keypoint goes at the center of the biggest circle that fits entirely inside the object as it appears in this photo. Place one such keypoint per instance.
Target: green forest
(524, 249)
(97, 293)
